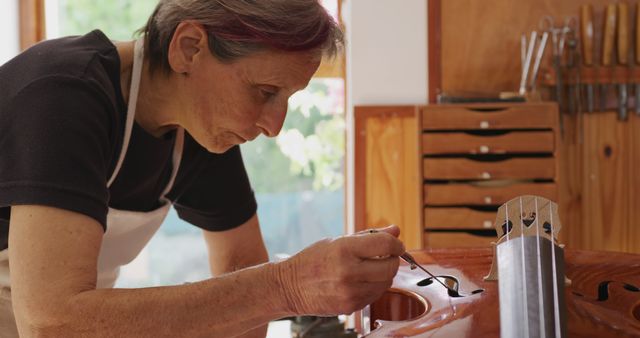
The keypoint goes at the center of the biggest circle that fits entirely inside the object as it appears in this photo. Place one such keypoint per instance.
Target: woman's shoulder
(91, 57)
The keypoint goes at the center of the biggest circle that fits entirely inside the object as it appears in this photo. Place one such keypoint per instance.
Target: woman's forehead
(291, 69)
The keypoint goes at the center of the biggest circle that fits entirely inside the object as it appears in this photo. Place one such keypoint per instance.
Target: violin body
(602, 298)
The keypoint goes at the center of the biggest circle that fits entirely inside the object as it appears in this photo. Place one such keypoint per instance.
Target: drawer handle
(484, 149)
(488, 200)
(488, 109)
(484, 124)
(485, 175)
(487, 224)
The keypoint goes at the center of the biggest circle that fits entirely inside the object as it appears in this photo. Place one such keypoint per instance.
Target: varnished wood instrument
(527, 285)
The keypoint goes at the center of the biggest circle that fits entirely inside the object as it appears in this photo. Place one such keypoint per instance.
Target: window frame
(31, 18)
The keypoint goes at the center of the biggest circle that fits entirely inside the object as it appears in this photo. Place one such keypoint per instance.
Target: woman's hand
(342, 275)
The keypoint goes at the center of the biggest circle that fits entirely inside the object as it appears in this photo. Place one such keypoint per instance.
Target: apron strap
(136, 73)
(177, 156)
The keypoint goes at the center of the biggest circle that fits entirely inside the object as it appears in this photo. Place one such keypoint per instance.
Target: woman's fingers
(374, 245)
(377, 270)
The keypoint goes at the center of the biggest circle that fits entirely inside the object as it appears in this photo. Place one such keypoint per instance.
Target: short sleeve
(55, 146)
(220, 196)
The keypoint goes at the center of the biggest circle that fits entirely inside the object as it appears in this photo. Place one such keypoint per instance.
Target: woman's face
(231, 103)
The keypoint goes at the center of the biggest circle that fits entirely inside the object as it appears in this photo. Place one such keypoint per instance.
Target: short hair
(238, 28)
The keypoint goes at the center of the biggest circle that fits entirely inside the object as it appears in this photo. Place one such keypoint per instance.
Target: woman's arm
(53, 259)
(53, 255)
(236, 249)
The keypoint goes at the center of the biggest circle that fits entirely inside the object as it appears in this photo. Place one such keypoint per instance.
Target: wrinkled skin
(342, 275)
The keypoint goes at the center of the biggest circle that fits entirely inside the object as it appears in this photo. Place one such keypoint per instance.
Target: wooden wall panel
(570, 184)
(480, 53)
(633, 238)
(388, 180)
(606, 183)
(480, 40)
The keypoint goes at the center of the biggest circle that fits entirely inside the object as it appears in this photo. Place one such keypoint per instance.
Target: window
(9, 27)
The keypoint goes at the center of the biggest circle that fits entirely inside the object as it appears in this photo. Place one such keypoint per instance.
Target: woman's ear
(189, 42)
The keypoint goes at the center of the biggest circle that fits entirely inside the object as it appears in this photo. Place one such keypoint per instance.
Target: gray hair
(238, 28)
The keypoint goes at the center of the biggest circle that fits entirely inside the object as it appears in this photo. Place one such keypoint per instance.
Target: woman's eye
(268, 92)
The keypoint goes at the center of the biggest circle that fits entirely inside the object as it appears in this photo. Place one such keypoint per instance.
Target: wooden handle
(609, 34)
(586, 30)
(638, 33)
(623, 33)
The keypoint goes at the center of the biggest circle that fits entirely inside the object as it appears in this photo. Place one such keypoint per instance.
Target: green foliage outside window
(308, 154)
(118, 19)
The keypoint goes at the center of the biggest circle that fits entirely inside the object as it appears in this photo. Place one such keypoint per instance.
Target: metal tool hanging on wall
(586, 36)
(529, 74)
(623, 59)
(559, 36)
(637, 60)
(613, 71)
(608, 36)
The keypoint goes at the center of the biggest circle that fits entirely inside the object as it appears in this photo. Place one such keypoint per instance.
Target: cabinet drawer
(490, 116)
(474, 194)
(458, 218)
(511, 142)
(466, 169)
(450, 239)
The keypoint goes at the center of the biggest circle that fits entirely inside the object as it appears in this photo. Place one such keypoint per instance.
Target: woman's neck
(156, 93)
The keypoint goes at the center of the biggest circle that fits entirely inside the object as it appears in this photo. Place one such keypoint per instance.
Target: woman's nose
(270, 123)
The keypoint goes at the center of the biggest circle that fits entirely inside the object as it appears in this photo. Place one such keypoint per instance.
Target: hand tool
(637, 58)
(586, 36)
(523, 50)
(572, 74)
(557, 40)
(607, 49)
(527, 63)
(623, 58)
(575, 83)
(536, 63)
(558, 35)
(413, 264)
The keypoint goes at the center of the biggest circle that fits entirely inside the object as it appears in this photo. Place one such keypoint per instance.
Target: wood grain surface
(489, 116)
(479, 195)
(606, 183)
(32, 23)
(633, 239)
(458, 218)
(388, 181)
(514, 168)
(508, 143)
(480, 40)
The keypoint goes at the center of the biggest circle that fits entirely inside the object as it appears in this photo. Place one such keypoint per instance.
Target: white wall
(386, 62)
(9, 38)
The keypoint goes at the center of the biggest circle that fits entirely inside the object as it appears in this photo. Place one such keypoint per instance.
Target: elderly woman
(99, 138)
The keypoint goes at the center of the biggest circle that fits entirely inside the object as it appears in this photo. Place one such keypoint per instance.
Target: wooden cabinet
(509, 142)
(475, 158)
(598, 185)
(442, 181)
(441, 171)
(387, 179)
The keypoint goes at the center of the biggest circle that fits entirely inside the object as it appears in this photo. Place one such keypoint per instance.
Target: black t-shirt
(62, 120)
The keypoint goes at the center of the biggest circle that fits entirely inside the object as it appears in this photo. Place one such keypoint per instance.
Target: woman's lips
(246, 138)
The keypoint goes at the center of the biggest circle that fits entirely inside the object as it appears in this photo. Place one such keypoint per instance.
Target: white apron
(127, 231)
